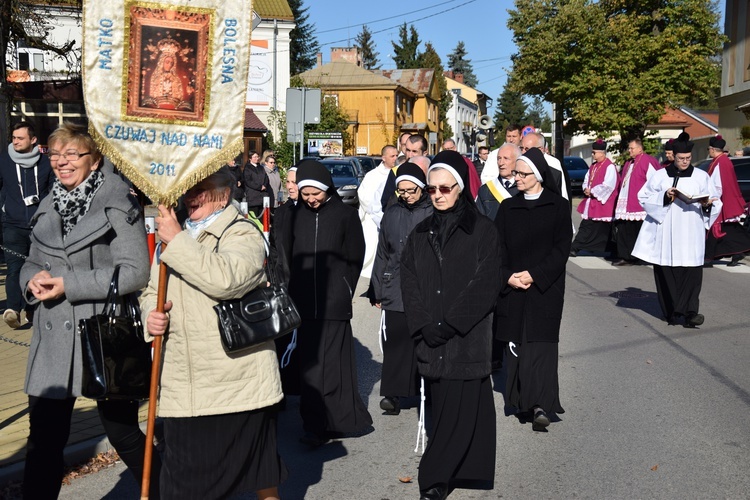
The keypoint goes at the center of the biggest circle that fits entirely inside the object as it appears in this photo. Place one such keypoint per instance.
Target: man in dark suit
(483, 153)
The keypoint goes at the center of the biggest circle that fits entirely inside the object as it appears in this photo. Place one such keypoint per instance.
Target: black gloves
(437, 335)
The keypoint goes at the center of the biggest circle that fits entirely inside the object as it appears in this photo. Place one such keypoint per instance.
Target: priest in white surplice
(673, 236)
(370, 206)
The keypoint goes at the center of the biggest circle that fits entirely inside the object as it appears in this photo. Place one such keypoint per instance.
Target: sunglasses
(442, 189)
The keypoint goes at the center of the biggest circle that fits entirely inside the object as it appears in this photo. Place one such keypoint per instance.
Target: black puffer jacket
(455, 289)
(398, 222)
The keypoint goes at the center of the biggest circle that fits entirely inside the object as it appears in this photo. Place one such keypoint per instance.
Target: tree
(284, 151)
(615, 65)
(430, 59)
(406, 55)
(303, 46)
(511, 109)
(538, 116)
(30, 22)
(366, 46)
(458, 63)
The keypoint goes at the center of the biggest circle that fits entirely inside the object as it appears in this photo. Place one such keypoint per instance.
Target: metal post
(302, 132)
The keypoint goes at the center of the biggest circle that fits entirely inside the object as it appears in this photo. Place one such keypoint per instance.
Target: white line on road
(741, 269)
(591, 262)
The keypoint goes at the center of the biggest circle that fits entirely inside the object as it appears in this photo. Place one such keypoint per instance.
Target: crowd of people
(468, 275)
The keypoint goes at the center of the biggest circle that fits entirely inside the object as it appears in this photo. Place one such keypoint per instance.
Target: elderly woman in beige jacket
(219, 426)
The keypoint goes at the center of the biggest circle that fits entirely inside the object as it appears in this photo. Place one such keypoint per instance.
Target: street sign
(302, 106)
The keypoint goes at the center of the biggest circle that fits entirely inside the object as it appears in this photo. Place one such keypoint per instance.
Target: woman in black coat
(449, 281)
(535, 235)
(325, 248)
(256, 184)
(399, 376)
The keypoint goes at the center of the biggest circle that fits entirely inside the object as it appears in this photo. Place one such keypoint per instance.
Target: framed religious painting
(168, 54)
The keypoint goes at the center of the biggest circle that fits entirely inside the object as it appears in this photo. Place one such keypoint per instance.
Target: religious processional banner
(164, 85)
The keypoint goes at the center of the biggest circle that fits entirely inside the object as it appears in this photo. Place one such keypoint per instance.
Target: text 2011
(161, 169)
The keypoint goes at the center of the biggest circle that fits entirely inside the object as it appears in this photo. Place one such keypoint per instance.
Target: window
(39, 62)
(23, 61)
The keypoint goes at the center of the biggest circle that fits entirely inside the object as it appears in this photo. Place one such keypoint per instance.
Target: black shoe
(573, 253)
(707, 264)
(524, 417)
(541, 420)
(622, 262)
(313, 440)
(437, 492)
(390, 405)
(694, 319)
(735, 260)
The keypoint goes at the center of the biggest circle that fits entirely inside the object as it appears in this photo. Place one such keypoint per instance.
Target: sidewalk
(86, 437)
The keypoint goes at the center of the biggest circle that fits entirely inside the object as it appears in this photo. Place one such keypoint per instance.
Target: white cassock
(555, 163)
(371, 212)
(490, 170)
(675, 235)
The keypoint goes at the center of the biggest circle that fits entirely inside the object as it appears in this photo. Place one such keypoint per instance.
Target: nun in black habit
(535, 233)
(449, 282)
(325, 248)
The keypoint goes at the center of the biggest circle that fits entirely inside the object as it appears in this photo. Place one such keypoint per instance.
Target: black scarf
(74, 204)
(445, 222)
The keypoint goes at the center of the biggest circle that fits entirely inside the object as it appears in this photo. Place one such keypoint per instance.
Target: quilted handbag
(263, 314)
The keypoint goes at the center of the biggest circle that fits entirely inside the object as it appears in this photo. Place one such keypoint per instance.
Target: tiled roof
(416, 80)
(252, 122)
(345, 74)
(273, 9)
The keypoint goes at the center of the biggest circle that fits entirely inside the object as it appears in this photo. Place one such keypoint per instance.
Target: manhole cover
(625, 294)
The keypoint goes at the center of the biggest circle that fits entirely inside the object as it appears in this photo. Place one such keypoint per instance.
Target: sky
(480, 24)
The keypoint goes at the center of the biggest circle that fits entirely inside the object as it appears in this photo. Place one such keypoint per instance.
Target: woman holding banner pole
(221, 439)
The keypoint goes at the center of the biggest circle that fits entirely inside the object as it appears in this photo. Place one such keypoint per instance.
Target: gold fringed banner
(164, 85)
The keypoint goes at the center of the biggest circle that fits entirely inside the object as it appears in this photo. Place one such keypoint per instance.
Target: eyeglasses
(68, 155)
(522, 175)
(684, 159)
(442, 189)
(402, 192)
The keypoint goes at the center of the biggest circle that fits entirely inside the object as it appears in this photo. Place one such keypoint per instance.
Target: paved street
(652, 411)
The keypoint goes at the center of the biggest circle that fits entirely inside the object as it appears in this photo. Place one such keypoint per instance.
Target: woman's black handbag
(116, 358)
(264, 314)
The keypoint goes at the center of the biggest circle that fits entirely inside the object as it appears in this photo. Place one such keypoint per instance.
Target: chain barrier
(14, 341)
(13, 252)
(6, 339)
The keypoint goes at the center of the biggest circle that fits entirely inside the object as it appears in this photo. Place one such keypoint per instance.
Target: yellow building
(379, 107)
(425, 112)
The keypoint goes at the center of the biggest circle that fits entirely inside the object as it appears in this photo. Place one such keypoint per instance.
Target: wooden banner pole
(161, 298)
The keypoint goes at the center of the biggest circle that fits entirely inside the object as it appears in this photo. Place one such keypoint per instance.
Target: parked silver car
(347, 174)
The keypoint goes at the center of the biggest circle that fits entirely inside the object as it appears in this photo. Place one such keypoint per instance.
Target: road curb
(74, 453)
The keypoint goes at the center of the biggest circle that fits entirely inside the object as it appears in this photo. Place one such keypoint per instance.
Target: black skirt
(735, 241)
(461, 447)
(216, 456)
(399, 376)
(678, 289)
(625, 234)
(594, 236)
(532, 376)
(329, 395)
